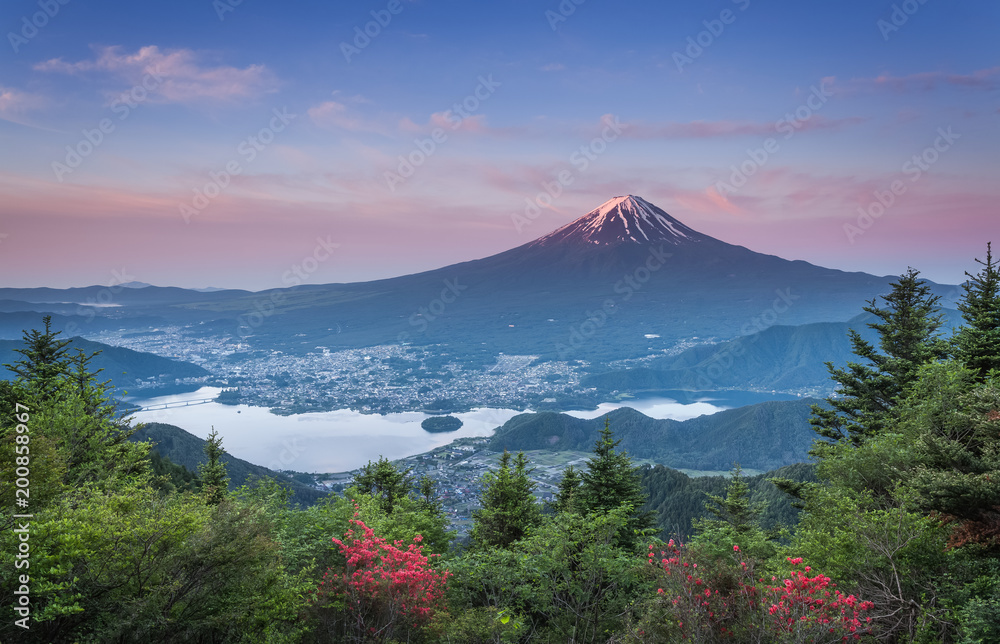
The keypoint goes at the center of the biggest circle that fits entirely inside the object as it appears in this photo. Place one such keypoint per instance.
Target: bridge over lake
(177, 403)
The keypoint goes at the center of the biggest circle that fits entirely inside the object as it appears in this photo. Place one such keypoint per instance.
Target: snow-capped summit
(624, 220)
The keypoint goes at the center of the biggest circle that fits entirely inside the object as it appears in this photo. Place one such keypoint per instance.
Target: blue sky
(896, 80)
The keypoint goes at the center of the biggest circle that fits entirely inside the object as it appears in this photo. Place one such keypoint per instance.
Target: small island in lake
(441, 424)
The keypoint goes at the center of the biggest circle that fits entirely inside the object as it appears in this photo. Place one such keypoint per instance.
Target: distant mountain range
(124, 367)
(764, 436)
(779, 358)
(625, 280)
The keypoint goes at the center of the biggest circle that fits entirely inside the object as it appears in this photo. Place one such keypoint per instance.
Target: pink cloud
(182, 78)
(475, 124)
(334, 115)
(715, 200)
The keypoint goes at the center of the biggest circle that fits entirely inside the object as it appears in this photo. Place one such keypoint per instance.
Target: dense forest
(892, 536)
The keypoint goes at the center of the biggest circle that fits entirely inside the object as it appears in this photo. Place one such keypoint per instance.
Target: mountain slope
(188, 450)
(593, 289)
(763, 436)
(779, 358)
(124, 367)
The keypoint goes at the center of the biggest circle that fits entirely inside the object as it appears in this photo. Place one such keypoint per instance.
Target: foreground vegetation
(898, 538)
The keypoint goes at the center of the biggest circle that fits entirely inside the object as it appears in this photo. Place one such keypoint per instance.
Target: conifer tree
(735, 509)
(610, 482)
(215, 481)
(385, 482)
(734, 521)
(427, 494)
(908, 338)
(977, 343)
(44, 360)
(509, 510)
(569, 486)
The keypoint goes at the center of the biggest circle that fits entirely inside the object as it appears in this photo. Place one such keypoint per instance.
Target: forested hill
(122, 366)
(764, 436)
(676, 498)
(184, 448)
(782, 358)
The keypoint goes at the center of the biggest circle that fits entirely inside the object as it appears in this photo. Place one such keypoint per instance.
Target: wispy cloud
(335, 115)
(16, 104)
(185, 79)
(983, 79)
(724, 129)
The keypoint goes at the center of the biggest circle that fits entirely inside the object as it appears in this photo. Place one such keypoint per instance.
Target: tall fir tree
(569, 486)
(735, 508)
(734, 520)
(427, 495)
(508, 508)
(385, 482)
(977, 342)
(610, 482)
(908, 338)
(215, 481)
(44, 360)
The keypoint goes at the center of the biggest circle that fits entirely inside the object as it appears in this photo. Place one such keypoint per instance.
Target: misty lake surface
(341, 440)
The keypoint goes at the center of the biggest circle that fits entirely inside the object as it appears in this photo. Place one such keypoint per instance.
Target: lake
(341, 440)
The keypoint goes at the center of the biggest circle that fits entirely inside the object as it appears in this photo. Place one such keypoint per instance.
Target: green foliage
(868, 391)
(977, 342)
(736, 522)
(677, 499)
(184, 448)
(44, 360)
(508, 510)
(569, 487)
(214, 480)
(895, 557)
(978, 605)
(611, 482)
(171, 477)
(384, 482)
(483, 625)
(134, 565)
(568, 579)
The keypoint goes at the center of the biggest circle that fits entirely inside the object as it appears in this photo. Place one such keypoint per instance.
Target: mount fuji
(624, 280)
(623, 220)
